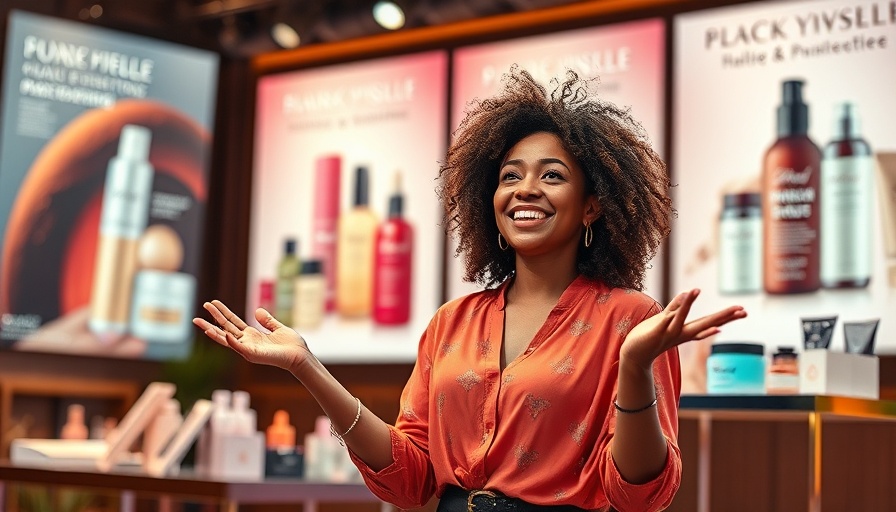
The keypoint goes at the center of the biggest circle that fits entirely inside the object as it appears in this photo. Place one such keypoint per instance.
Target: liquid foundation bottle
(740, 244)
(790, 195)
(847, 197)
(392, 264)
(124, 215)
(287, 270)
(354, 268)
(325, 223)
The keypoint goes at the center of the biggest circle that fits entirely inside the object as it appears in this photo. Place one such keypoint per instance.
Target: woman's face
(540, 203)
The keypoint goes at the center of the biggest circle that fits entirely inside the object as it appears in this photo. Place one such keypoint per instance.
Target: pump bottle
(790, 200)
(847, 196)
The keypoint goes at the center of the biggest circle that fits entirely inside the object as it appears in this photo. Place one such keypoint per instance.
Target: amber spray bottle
(790, 192)
(847, 196)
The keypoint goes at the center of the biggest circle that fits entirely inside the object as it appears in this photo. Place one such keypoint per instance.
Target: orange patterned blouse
(540, 430)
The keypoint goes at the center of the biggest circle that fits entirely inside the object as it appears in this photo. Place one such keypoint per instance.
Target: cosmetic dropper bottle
(847, 196)
(790, 200)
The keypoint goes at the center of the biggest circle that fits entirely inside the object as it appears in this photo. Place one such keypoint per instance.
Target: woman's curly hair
(620, 167)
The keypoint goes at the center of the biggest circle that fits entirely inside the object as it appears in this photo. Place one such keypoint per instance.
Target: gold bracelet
(336, 434)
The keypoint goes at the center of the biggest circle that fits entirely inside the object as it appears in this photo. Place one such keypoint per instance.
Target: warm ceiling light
(285, 35)
(96, 10)
(389, 15)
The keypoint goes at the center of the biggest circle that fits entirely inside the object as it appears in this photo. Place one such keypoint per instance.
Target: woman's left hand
(668, 329)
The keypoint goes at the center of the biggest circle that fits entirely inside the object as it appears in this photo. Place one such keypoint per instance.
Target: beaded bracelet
(336, 434)
(632, 411)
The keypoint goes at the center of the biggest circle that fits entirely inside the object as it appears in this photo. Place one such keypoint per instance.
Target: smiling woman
(600, 145)
(556, 388)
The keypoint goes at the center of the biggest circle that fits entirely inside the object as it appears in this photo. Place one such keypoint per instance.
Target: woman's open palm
(668, 329)
(282, 346)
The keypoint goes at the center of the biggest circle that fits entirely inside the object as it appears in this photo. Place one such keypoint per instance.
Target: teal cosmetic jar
(736, 369)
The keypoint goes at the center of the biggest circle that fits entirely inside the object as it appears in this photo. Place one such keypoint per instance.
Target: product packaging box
(823, 372)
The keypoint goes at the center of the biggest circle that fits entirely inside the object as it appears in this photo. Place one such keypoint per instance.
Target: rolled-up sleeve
(658, 493)
(408, 482)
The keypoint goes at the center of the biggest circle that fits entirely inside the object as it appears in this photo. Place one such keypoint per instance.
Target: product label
(792, 229)
(847, 194)
(740, 255)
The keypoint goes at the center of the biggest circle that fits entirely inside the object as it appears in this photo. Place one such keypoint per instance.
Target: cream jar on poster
(736, 368)
(162, 303)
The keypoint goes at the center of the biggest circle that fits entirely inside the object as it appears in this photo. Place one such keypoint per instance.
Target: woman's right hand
(282, 346)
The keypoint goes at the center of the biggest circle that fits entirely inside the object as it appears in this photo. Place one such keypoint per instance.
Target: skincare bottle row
(362, 269)
(816, 205)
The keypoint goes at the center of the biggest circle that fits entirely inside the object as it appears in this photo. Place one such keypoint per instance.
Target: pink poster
(785, 159)
(627, 59)
(346, 233)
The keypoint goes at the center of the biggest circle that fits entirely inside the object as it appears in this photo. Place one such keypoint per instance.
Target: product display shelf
(228, 496)
(812, 409)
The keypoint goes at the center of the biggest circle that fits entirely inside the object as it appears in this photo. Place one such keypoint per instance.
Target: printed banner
(346, 233)
(103, 182)
(785, 163)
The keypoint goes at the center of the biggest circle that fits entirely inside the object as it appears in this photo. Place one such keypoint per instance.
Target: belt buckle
(473, 494)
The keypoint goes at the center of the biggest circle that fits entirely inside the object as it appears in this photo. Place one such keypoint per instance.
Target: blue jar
(736, 369)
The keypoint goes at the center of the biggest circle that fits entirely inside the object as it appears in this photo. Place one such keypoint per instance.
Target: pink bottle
(325, 222)
(393, 262)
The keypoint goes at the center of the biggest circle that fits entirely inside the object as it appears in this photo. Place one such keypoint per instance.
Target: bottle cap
(362, 186)
(793, 113)
(241, 400)
(290, 246)
(743, 200)
(221, 398)
(397, 199)
(133, 144)
(846, 121)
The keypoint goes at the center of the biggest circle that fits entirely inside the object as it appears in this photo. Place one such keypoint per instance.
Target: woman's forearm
(638, 446)
(369, 439)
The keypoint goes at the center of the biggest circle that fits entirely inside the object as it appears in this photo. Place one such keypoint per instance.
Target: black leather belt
(455, 499)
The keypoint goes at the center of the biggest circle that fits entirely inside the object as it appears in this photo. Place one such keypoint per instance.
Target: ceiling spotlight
(285, 35)
(388, 14)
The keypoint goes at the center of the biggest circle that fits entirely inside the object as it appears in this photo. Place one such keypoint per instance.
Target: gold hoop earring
(503, 246)
(589, 235)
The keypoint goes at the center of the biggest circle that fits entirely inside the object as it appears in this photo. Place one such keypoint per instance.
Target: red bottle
(393, 262)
